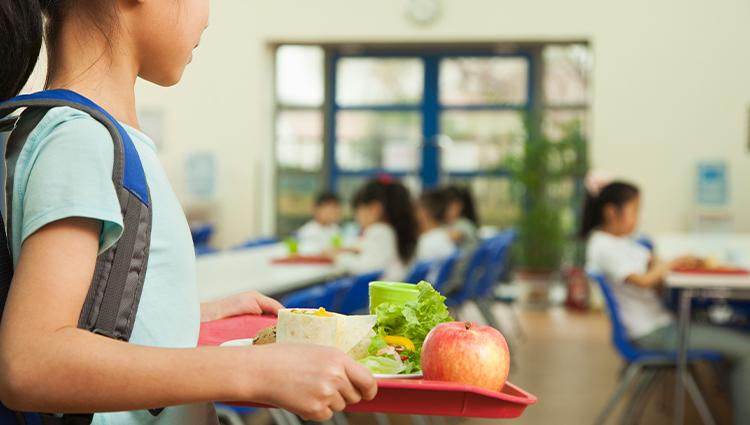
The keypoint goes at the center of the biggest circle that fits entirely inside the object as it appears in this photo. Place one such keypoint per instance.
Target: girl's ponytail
(21, 35)
(592, 215)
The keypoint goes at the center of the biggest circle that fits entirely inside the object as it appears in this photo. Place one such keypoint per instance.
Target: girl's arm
(48, 365)
(245, 303)
(653, 277)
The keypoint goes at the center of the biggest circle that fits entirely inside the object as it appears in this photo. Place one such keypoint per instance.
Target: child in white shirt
(434, 240)
(609, 221)
(384, 211)
(318, 234)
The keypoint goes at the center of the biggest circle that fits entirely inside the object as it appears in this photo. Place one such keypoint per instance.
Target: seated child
(318, 234)
(609, 221)
(384, 210)
(434, 240)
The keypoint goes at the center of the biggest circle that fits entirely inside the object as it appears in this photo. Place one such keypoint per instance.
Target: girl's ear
(378, 210)
(609, 213)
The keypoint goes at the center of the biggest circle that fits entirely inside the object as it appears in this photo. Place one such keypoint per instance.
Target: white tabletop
(708, 281)
(231, 272)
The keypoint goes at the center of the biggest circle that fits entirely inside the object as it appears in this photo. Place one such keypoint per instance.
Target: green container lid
(392, 292)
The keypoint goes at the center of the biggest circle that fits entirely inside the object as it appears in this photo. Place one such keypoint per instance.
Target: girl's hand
(310, 381)
(244, 303)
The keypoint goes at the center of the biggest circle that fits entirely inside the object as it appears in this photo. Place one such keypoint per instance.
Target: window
(426, 116)
(299, 133)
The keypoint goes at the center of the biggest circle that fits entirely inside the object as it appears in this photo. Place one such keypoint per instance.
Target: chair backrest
(256, 243)
(442, 271)
(472, 274)
(355, 298)
(202, 234)
(620, 338)
(498, 248)
(204, 249)
(314, 297)
(419, 271)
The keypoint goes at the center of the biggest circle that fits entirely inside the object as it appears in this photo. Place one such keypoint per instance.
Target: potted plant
(546, 179)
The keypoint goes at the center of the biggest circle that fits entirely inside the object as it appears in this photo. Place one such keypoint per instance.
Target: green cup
(292, 245)
(392, 292)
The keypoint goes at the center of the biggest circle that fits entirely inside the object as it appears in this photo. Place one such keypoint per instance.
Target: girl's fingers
(362, 380)
(267, 304)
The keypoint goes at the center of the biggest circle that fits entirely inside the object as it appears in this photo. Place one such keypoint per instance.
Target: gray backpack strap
(112, 301)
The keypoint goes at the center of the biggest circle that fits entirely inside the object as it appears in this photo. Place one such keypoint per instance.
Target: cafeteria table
(231, 272)
(716, 285)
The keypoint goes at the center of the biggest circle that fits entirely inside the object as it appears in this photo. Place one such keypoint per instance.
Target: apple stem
(468, 325)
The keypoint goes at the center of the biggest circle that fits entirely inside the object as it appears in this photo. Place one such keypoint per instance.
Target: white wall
(671, 86)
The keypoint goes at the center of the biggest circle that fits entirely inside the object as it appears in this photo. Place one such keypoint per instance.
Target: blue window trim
(430, 109)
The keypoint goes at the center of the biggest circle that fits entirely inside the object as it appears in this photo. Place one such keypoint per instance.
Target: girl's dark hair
(463, 195)
(398, 211)
(435, 203)
(616, 193)
(23, 28)
(327, 197)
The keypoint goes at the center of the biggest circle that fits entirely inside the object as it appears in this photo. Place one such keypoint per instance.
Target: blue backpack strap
(112, 300)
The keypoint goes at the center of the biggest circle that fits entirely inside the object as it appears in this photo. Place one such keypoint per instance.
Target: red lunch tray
(721, 271)
(303, 259)
(401, 396)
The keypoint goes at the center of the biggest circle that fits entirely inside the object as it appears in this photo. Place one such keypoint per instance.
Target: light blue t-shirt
(65, 170)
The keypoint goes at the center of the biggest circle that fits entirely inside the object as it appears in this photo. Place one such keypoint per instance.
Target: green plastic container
(391, 292)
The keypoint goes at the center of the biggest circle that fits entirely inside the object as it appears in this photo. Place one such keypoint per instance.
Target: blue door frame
(430, 110)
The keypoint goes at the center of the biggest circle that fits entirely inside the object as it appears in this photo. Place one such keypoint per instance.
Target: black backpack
(112, 301)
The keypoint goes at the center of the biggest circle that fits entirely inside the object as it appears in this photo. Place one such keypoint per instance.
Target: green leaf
(382, 364)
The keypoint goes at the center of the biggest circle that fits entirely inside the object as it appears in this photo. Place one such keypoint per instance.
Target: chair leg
(700, 403)
(640, 395)
(381, 419)
(228, 416)
(419, 420)
(630, 373)
(339, 418)
(278, 417)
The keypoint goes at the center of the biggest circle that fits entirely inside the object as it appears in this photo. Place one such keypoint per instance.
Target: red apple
(467, 353)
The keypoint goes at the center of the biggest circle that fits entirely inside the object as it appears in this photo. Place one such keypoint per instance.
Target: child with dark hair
(384, 210)
(610, 218)
(319, 233)
(434, 240)
(461, 216)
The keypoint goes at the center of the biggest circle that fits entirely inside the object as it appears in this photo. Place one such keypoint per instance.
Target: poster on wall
(200, 171)
(712, 184)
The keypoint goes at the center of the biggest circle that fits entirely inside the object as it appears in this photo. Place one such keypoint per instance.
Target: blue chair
(204, 250)
(257, 243)
(355, 293)
(645, 365)
(473, 273)
(442, 271)
(419, 271)
(496, 260)
(202, 234)
(314, 297)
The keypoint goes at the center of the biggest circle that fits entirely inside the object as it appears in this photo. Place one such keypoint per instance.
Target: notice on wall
(200, 172)
(712, 184)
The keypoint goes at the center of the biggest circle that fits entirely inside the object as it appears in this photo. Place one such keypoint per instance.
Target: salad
(400, 330)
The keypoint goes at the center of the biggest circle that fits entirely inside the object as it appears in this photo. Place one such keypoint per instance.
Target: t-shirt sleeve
(610, 261)
(71, 176)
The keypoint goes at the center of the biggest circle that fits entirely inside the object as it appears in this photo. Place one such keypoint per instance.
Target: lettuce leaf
(383, 365)
(411, 320)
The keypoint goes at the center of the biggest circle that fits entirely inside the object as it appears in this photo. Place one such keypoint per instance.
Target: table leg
(686, 296)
